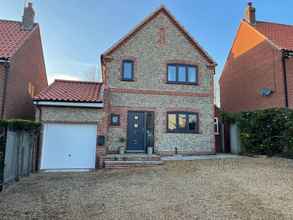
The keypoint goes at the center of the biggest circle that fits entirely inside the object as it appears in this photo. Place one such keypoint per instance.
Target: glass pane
(171, 73)
(182, 120)
(216, 125)
(127, 69)
(181, 74)
(150, 129)
(171, 122)
(192, 122)
(115, 119)
(192, 74)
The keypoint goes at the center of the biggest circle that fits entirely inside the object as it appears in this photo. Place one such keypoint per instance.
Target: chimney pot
(28, 17)
(250, 14)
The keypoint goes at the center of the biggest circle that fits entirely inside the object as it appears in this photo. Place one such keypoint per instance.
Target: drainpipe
(39, 142)
(286, 55)
(6, 64)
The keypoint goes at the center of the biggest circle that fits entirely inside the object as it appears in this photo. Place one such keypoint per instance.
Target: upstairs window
(182, 74)
(127, 70)
(182, 122)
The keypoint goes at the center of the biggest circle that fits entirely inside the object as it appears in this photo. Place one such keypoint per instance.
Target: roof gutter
(6, 64)
(70, 104)
(286, 54)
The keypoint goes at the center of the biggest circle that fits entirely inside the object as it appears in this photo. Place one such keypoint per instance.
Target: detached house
(157, 94)
(258, 73)
(22, 68)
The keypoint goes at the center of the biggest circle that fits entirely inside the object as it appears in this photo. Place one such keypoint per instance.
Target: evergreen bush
(267, 131)
(19, 124)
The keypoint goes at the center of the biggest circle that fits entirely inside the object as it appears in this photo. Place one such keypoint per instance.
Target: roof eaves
(68, 100)
(4, 59)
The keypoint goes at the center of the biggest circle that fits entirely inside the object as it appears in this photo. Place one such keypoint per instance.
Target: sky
(76, 32)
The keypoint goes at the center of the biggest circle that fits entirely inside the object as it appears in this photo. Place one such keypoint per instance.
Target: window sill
(182, 83)
(128, 80)
(183, 132)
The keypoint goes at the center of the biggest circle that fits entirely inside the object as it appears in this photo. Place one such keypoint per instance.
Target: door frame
(145, 132)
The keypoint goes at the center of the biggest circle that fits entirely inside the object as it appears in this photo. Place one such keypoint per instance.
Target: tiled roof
(71, 91)
(280, 34)
(12, 37)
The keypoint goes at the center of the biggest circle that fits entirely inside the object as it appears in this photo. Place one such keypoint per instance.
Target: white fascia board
(70, 104)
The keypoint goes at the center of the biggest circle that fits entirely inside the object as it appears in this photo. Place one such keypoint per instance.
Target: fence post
(35, 151)
(37, 145)
(3, 137)
(29, 143)
(17, 143)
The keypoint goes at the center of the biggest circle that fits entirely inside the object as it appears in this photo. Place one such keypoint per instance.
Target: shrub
(264, 131)
(19, 124)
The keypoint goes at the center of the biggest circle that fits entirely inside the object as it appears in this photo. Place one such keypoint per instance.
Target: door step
(132, 157)
(120, 164)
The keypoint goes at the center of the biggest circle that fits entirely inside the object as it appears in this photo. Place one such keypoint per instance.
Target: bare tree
(91, 74)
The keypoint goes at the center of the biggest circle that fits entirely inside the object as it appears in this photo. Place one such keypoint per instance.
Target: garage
(68, 146)
(72, 117)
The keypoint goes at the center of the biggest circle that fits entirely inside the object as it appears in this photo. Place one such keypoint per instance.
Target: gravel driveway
(247, 188)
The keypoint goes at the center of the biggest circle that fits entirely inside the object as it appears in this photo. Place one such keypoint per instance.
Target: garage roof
(71, 91)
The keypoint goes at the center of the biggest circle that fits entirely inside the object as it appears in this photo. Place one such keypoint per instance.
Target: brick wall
(27, 65)
(253, 63)
(150, 92)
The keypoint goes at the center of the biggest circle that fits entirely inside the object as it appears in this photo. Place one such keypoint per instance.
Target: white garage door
(69, 146)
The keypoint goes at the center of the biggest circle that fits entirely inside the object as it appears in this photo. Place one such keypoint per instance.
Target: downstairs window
(182, 122)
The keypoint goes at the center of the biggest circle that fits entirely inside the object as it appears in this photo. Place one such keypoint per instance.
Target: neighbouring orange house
(258, 73)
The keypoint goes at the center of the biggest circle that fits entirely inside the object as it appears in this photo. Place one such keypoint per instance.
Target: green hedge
(18, 124)
(265, 131)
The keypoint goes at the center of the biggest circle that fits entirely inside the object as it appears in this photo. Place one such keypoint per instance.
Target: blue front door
(136, 132)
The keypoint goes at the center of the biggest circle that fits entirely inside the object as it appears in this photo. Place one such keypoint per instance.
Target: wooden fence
(2, 155)
(18, 153)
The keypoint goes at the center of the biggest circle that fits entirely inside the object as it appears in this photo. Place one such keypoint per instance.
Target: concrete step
(109, 164)
(132, 157)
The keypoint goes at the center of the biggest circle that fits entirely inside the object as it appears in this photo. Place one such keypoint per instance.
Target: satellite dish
(265, 92)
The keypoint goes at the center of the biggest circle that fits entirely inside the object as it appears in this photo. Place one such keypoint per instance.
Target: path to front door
(140, 131)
